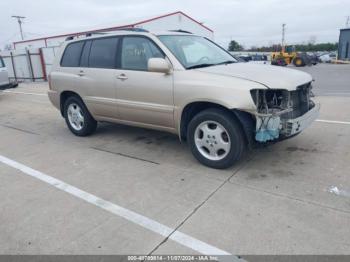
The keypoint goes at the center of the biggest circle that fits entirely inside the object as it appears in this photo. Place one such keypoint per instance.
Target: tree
(306, 47)
(234, 46)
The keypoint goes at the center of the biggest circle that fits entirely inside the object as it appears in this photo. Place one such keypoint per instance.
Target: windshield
(195, 51)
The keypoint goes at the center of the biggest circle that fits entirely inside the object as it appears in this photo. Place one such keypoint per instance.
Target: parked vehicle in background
(256, 58)
(259, 59)
(327, 57)
(239, 58)
(312, 57)
(4, 77)
(183, 84)
(245, 58)
(333, 55)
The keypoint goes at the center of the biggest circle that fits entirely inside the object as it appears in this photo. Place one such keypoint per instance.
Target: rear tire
(216, 138)
(78, 118)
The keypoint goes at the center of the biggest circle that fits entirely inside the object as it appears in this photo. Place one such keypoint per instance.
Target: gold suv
(181, 83)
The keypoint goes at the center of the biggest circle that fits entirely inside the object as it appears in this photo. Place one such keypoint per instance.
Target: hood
(274, 77)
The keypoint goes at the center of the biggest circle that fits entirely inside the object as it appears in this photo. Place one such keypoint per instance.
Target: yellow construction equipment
(288, 55)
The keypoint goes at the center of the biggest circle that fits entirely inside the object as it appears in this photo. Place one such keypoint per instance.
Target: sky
(250, 22)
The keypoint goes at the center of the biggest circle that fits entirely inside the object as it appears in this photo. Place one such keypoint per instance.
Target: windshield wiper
(200, 66)
(211, 64)
(226, 62)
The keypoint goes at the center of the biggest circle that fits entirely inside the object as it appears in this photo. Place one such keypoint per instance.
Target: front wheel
(298, 62)
(216, 138)
(78, 118)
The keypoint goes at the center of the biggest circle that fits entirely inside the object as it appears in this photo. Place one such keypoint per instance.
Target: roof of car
(129, 32)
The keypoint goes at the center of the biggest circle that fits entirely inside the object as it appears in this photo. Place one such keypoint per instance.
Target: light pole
(19, 20)
(283, 37)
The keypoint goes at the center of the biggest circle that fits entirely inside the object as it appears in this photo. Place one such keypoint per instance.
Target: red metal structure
(112, 28)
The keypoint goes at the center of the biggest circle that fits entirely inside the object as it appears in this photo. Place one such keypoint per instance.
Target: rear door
(4, 78)
(68, 73)
(98, 76)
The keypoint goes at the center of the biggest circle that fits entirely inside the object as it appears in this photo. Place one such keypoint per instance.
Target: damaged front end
(282, 113)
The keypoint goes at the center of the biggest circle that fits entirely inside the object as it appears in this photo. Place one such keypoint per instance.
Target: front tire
(78, 118)
(215, 138)
(298, 62)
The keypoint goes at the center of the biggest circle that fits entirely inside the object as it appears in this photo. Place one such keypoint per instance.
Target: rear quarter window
(71, 55)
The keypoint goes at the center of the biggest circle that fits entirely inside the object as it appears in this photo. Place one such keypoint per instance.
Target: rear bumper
(54, 97)
(295, 126)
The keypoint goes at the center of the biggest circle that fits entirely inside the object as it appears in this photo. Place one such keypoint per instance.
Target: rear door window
(103, 53)
(71, 56)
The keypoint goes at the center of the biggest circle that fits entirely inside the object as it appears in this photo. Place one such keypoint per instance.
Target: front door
(142, 96)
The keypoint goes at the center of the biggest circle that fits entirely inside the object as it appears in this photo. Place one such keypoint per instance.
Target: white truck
(4, 77)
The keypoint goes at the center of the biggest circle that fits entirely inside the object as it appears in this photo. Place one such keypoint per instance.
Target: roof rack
(133, 29)
(69, 38)
(94, 33)
(181, 31)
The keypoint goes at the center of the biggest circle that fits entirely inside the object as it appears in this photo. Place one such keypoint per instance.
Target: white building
(173, 21)
(32, 59)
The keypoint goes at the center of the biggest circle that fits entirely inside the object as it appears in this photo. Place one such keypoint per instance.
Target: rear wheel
(78, 118)
(215, 138)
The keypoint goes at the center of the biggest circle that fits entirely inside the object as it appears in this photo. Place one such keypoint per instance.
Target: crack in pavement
(125, 155)
(20, 129)
(201, 204)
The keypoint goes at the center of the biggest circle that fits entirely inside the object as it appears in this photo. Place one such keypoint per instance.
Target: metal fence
(49, 54)
(29, 64)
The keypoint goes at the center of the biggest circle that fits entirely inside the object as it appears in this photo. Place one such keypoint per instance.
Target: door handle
(122, 77)
(81, 73)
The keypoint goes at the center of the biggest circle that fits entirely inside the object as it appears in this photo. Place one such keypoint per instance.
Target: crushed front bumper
(294, 126)
(275, 127)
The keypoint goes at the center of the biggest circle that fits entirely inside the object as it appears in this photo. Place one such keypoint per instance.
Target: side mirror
(159, 65)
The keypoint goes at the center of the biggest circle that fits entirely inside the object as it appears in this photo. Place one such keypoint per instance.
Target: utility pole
(20, 22)
(283, 37)
(347, 23)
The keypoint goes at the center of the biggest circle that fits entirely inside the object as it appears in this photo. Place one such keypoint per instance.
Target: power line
(20, 22)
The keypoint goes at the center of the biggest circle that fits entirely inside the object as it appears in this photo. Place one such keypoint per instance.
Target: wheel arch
(244, 119)
(63, 98)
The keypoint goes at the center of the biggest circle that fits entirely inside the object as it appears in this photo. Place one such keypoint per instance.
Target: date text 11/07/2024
(173, 258)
